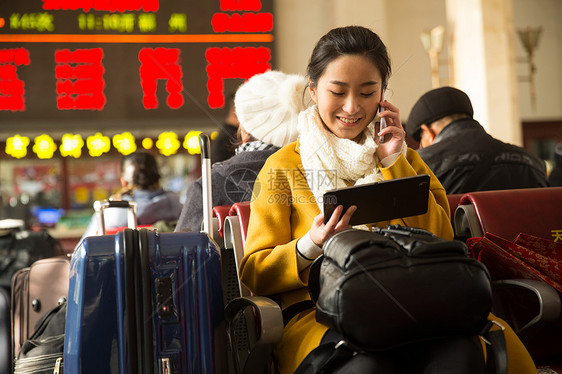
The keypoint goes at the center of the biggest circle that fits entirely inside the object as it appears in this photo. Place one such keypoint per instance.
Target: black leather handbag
(397, 286)
(43, 352)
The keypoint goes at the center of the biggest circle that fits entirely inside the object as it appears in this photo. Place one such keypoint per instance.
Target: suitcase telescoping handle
(100, 206)
(205, 145)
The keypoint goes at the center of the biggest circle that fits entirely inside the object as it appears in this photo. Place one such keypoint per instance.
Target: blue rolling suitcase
(144, 302)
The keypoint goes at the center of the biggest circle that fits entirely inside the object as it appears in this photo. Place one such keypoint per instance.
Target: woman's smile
(348, 95)
(349, 121)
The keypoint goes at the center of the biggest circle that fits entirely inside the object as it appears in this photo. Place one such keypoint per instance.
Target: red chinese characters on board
(103, 5)
(80, 80)
(226, 63)
(241, 5)
(161, 64)
(245, 22)
(11, 87)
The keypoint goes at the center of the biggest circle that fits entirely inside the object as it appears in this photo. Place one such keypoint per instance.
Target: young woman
(338, 146)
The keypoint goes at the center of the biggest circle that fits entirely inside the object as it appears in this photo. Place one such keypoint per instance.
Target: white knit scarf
(330, 162)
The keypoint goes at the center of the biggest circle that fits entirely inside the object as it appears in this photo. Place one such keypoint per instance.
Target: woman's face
(348, 95)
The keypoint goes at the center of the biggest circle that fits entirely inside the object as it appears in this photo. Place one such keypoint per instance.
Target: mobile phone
(383, 120)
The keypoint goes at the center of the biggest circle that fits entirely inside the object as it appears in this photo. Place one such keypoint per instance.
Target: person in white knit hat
(267, 106)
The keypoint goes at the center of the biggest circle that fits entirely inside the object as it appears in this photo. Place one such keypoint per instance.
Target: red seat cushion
(506, 213)
(115, 230)
(242, 210)
(221, 212)
(454, 200)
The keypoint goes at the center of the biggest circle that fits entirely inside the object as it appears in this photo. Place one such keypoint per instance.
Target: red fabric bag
(527, 257)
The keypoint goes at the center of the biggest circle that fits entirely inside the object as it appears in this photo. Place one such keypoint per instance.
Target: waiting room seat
(242, 211)
(235, 229)
(506, 213)
(254, 323)
(231, 250)
(531, 307)
(220, 213)
(454, 200)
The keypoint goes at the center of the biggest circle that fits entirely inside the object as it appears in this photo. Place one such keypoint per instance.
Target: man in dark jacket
(555, 177)
(267, 106)
(459, 151)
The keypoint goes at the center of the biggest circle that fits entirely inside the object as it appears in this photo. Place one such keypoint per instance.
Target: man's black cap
(434, 105)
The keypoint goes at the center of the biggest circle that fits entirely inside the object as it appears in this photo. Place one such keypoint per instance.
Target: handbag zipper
(40, 363)
(58, 364)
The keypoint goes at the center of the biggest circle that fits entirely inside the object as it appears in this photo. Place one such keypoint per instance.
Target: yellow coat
(282, 211)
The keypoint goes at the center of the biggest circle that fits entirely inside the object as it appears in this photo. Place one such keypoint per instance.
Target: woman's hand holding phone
(392, 132)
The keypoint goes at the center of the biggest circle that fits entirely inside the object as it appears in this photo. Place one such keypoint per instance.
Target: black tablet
(381, 201)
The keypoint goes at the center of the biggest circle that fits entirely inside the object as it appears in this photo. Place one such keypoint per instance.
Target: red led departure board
(127, 63)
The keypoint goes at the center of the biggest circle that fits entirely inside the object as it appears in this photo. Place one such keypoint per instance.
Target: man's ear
(123, 182)
(427, 135)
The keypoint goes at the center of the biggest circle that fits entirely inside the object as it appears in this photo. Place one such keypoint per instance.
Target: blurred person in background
(140, 182)
(555, 177)
(224, 145)
(459, 151)
(267, 105)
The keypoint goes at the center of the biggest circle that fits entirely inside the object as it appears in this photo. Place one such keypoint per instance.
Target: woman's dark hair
(350, 40)
(140, 170)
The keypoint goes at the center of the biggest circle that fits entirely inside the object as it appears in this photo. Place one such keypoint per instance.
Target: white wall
(298, 25)
(548, 59)
(482, 52)
(411, 71)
